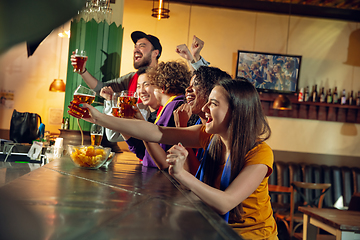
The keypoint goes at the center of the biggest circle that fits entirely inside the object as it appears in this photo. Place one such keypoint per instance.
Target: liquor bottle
(301, 95)
(66, 126)
(329, 97)
(322, 95)
(63, 123)
(335, 96)
(343, 98)
(358, 99)
(306, 94)
(351, 98)
(314, 94)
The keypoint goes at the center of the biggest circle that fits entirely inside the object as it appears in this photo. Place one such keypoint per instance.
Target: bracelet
(83, 71)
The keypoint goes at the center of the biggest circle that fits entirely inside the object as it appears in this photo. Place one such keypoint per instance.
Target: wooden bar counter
(123, 201)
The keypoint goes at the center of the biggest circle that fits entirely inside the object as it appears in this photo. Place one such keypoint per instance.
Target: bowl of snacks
(88, 156)
(109, 160)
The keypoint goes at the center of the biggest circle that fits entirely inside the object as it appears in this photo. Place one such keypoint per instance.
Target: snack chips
(88, 156)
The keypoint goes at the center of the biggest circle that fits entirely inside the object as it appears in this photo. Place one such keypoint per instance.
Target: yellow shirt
(257, 221)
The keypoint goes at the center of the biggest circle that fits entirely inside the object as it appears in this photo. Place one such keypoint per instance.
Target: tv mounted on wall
(269, 72)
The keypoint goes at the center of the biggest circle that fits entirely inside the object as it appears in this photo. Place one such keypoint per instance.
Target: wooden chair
(281, 211)
(354, 204)
(315, 201)
(311, 199)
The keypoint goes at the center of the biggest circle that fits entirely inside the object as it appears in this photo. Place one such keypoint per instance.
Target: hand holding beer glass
(78, 61)
(126, 102)
(122, 104)
(81, 95)
(115, 105)
(96, 134)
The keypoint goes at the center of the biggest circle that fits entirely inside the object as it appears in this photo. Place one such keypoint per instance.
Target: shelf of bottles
(323, 106)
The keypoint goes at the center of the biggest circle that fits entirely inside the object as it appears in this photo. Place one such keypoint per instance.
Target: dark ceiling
(332, 9)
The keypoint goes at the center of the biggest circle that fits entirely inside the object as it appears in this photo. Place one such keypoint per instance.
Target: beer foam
(85, 95)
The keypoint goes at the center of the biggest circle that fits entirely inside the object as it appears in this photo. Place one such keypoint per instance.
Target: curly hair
(207, 77)
(172, 76)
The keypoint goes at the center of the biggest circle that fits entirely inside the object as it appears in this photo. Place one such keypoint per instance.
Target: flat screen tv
(269, 72)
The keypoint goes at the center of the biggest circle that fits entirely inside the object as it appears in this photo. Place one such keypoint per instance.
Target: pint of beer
(116, 112)
(115, 104)
(96, 134)
(96, 139)
(81, 95)
(81, 58)
(126, 102)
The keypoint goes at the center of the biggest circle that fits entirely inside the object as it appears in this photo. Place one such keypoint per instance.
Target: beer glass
(81, 95)
(49, 153)
(81, 58)
(115, 105)
(96, 134)
(127, 100)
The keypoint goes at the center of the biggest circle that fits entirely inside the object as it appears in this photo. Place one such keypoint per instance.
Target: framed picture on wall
(269, 72)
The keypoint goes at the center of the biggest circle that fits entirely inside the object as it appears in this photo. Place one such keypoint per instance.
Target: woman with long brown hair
(233, 175)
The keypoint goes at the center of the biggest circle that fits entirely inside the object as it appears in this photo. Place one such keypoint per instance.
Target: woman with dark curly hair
(190, 113)
(197, 93)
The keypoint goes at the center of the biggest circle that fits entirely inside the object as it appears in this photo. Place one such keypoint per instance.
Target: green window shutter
(94, 38)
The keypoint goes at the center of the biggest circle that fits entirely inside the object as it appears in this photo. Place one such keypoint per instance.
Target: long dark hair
(248, 128)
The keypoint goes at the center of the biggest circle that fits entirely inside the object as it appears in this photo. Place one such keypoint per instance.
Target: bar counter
(123, 201)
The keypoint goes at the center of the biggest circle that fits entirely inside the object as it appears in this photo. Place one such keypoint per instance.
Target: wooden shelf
(311, 110)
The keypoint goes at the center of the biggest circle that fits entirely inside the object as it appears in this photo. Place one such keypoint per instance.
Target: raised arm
(196, 47)
(86, 76)
(184, 52)
(193, 56)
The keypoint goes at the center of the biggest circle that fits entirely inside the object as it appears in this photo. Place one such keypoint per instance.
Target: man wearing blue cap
(147, 51)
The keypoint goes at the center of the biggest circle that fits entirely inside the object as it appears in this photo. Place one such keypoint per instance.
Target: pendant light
(282, 102)
(58, 84)
(162, 11)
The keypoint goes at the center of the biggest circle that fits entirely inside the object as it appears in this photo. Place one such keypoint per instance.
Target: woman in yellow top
(233, 176)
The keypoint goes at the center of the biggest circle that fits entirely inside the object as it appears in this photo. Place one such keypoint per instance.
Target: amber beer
(126, 105)
(80, 60)
(77, 111)
(96, 139)
(116, 112)
(80, 56)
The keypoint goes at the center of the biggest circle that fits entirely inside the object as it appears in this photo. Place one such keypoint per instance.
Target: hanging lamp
(58, 84)
(282, 102)
(162, 11)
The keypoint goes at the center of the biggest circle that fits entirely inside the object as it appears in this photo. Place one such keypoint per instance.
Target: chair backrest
(356, 179)
(354, 204)
(312, 195)
(311, 199)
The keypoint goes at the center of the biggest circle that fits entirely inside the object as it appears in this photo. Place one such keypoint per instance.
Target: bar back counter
(123, 201)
